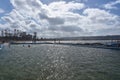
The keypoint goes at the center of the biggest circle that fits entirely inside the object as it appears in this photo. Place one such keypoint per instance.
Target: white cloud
(112, 5)
(100, 19)
(65, 7)
(1, 10)
(59, 19)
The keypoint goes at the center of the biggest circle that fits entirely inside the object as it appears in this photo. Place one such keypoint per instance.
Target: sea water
(58, 62)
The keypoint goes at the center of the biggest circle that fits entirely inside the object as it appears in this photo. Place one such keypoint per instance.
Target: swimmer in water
(29, 46)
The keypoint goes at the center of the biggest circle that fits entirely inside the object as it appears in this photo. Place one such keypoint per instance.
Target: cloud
(66, 28)
(100, 16)
(56, 21)
(50, 1)
(59, 19)
(64, 6)
(52, 20)
(7, 19)
(112, 5)
(109, 31)
(1, 10)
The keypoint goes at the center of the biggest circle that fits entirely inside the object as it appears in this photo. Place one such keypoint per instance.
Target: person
(29, 46)
(9, 45)
(2, 44)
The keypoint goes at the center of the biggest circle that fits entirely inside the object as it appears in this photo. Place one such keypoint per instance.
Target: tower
(6, 33)
(34, 36)
(15, 32)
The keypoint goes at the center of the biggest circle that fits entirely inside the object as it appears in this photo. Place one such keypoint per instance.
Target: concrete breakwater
(90, 45)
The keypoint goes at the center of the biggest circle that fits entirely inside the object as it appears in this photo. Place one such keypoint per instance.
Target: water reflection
(58, 62)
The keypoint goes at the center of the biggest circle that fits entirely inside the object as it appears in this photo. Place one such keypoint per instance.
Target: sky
(61, 18)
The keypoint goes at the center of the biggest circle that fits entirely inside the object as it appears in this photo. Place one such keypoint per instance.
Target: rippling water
(59, 62)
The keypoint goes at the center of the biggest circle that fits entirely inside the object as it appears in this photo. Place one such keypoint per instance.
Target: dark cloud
(68, 28)
(56, 21)
(28, 22)
(71, 28)
(52, 20)
(33, 25)
(14, 25)
(42, 16)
